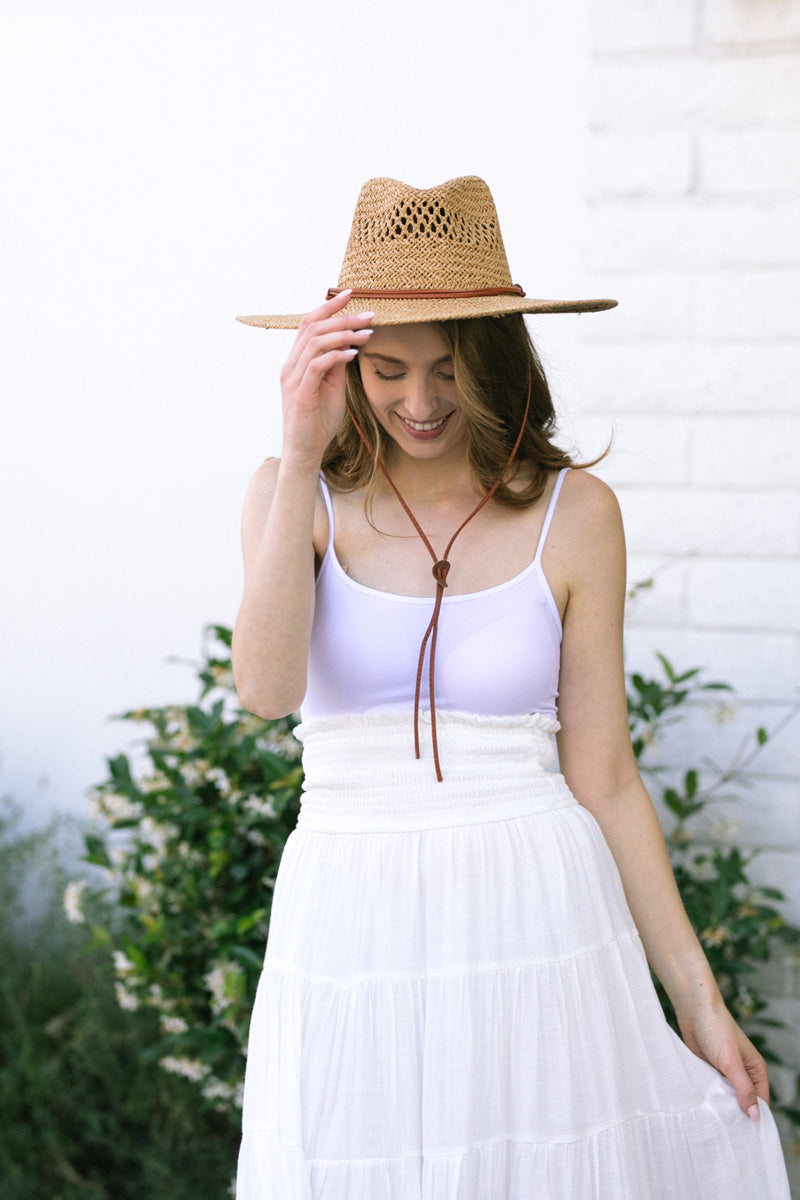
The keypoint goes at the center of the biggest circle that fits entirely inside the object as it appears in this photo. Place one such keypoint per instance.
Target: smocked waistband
(361, 772)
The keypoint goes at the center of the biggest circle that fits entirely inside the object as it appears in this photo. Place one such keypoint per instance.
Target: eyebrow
(399, 361)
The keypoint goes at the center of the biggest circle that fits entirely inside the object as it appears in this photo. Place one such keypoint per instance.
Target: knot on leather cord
(440, 570)
(441, 566)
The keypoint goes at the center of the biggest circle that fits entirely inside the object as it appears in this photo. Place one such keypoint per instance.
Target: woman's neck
(432, 482)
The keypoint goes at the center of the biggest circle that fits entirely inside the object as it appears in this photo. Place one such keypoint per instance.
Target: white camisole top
(498, 650)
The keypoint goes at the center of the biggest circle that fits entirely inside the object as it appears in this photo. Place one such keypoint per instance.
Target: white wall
(692, 192)
(167, 166)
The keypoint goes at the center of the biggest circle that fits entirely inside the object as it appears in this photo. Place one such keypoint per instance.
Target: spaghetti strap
(326, 494)
(548, 516)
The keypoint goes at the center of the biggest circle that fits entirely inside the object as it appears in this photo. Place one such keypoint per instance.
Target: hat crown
(445, 237)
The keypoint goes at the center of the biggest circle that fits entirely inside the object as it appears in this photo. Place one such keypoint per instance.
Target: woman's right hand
(313, 378)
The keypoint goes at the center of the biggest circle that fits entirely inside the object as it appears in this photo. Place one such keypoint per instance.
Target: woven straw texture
(445, 238)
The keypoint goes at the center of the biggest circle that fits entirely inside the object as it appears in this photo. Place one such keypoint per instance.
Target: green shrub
(190, 846)
(85, 1113)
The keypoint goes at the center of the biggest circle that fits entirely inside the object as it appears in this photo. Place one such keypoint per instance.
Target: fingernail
(365, 316)
(754, 1112)
(351, 353)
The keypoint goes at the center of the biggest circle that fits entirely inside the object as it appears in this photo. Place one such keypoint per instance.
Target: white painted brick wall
(647, 449)
(640, 164)
(633, 25)
(693, 234)
(684, 376)
(750, 22)
(746, 452)
(749, 305)
(693, 223)
(702, 521)
(647, 92)
(744, 594)
(749, 162)
(657, 305)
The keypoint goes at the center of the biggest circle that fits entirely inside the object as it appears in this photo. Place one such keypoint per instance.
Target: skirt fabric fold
(455, 1004)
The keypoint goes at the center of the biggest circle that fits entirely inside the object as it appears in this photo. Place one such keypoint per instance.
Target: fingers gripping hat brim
(444, 240)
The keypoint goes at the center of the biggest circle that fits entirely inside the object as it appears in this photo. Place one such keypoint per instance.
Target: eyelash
(390, 378)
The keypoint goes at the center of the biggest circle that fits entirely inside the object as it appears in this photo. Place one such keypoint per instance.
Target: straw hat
(429, 254)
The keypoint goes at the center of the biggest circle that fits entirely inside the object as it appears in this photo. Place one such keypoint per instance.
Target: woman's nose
(420, 399)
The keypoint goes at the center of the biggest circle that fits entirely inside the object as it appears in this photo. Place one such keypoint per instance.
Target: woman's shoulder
(260, 494)
(587, 499)
(586, 535)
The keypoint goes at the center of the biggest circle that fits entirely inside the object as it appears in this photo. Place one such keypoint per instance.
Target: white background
(167, 166)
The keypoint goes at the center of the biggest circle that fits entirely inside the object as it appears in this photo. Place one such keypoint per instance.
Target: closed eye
(442, 375)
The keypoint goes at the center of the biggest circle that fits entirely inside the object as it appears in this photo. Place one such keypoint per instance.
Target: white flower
(223, 677)
(195, 772)
(142, 889)
(172, 1024)
(73, 901)
(256, 838)
(723, 830)
(189, 1068)
(723, 712)
(285, 745)
(215, 1089)
(156, 782)
(745, 1002)
(702, 870)
(220, 780)
(715, 937)
(259, 807)
(184, 740)
(156, 835)
(125, 998)
(115, 807)
(122, 964)
(118, 856)
(224, 982)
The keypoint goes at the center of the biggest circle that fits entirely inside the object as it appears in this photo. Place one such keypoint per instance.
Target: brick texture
(745, 23)
(693, 223)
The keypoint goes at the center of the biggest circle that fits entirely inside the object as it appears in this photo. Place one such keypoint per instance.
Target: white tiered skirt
(455, 1004)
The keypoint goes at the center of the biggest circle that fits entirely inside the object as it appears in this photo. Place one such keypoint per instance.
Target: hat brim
(410, 312)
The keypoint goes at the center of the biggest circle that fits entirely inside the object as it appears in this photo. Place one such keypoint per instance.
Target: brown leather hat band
(425, 293)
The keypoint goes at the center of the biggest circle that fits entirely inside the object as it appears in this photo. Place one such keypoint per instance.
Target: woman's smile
(425, 431)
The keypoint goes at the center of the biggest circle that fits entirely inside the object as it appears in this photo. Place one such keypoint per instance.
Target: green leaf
(96, 851)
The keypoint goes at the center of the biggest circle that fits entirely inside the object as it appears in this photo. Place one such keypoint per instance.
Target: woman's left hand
(714, 1036)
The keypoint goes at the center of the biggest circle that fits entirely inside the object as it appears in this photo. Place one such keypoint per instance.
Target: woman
(455, 1001)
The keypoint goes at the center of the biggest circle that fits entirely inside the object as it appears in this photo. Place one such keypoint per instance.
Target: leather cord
(441, 566)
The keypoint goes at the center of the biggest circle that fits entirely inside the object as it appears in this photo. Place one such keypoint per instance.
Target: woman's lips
(425, 431)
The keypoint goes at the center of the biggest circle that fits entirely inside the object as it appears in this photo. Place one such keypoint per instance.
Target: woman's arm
(598, 763)
(283, 521)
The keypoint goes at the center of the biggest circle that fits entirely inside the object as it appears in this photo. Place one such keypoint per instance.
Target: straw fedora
(429, 254)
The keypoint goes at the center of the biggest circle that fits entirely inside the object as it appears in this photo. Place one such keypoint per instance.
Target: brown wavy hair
(493, 359)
